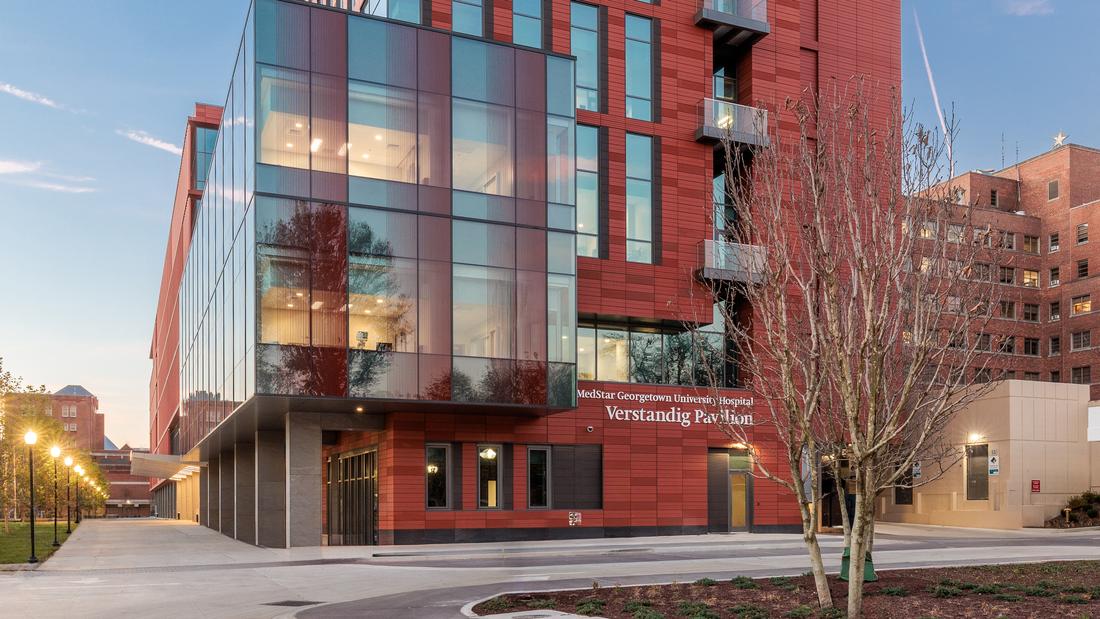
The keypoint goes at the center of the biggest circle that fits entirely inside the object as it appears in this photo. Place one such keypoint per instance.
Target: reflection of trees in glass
(678, 358)
(709, 359)
(646, 358)
(562, 388)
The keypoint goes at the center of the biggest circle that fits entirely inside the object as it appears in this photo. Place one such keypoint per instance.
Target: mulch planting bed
(1059, 589)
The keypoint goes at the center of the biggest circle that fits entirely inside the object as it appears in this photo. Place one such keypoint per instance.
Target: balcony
(741, 124)
(735, 22)
(732, 262)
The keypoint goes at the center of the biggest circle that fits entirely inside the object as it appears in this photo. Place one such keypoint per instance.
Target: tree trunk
(860, 534)
(817, 565)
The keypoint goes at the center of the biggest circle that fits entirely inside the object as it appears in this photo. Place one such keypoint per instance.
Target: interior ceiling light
(488, 453)
(315, 145)
(366, 155)
(317, 305)
(290, 144)
(378, 136)
(299, 294)
(290, 305)
(297, 125)
(358, 409)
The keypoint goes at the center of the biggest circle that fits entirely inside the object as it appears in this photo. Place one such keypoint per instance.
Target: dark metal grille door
(353, 499)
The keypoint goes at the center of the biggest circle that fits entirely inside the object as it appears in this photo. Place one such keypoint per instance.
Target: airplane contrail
(935, 94)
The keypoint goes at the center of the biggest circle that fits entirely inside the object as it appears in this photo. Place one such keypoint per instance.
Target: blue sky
(92, 106)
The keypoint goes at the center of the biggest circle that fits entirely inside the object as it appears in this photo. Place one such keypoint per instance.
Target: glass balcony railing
(721, 120)
(724, 260)
(735, 22)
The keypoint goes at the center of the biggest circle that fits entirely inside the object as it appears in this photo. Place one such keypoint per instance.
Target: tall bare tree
(860, 291)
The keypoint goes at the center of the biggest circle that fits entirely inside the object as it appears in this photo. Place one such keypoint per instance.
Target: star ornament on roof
(1060, 139)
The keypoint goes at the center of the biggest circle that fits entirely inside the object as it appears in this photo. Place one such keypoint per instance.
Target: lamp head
(68, 460)
(79, 469)
(30, 437)
(55, 451)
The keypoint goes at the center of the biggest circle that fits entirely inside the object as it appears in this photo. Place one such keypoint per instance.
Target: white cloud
(142, 137)
(18, 167)
(57, 187)
(1023, 8)
(26, 95)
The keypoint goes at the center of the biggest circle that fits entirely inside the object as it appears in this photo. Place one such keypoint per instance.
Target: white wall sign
(994, 463)
(916, 470)
(735, 411)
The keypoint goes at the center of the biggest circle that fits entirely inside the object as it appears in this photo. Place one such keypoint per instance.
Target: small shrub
(1075, 589)
(495, 605)
(947, 582)
(968, 586)
(1046, 568)
(1091, 497)
(634, 605)
(1073, 599)
(1046, 584)
(1077, 502)
(1007, 597)
(784, 583)
(539, 603)
(696, 610)
(749, 611)
(988, 589)
(898, 592)
(743, 582)
(831, 613)
(706, 582)
(590, 606)
(944, 591)
(799, 612)
(646, 612)
(1039, 592)
(1093, 512)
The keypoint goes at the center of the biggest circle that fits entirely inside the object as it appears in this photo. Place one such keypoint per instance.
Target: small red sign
(1035, 485)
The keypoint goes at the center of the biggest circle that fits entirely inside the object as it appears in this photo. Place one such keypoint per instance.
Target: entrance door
(739, 501)
(353, 498)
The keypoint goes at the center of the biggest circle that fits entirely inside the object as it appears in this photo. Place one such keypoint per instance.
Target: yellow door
(739, 494)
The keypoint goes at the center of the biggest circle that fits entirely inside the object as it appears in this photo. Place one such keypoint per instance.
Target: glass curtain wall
(338, 279)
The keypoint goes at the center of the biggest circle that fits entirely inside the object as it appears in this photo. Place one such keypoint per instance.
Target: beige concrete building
(1026, 449)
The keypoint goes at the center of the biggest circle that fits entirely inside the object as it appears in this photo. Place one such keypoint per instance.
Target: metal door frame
(748, 501)
(353, 497)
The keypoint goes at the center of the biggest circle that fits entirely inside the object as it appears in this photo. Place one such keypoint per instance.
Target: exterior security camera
(589, 428)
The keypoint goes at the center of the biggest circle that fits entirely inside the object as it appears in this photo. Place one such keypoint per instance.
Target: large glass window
(283, 288)
(403, 10)
(381, 132)
(202, 151)
(437, 481)
(527, 22)
(639, 67)
(467, 17)
(489, 476)
(484, 148)
(584, 21)
(612, 356)
(371, 39)
(588, 191)
(560, 159)
(283, 124)
(586, 353)
(639, 198)
(538, 477)
(646, 358)
(483, 71)
(484, 311)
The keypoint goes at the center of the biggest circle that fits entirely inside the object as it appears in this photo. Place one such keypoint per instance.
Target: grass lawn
(1070, 589)
(15, 544)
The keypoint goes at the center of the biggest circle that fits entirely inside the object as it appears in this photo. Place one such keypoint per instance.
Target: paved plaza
(172, 569)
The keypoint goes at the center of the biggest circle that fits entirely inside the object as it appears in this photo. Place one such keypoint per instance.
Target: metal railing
(738, 261)
(745, 9)
(739, 122)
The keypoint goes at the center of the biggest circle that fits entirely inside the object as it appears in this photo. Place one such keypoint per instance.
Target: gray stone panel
(225, 490)
(244, 473)
(270, 486)
(303, 460)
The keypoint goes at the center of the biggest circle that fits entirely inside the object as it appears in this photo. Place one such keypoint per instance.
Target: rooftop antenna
(1002, 150)
(935, 95)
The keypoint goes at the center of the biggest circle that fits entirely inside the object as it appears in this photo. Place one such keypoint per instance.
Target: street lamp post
(79, 473)
(30, 438)
(55, 453)
(68, 504)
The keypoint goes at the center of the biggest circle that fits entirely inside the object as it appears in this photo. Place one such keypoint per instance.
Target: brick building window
(1031, 376)
(589, 191)
(1008, 310)
(981, 375)
(1055, 376)
(1008, 375)
(1008, 239)
(1031, 278)
(1031, 244)
(1007, 275)
(1052, 190)
(955, 233)
(928, 230)
(1053, 244)
(1082, 304)
(1081, 340)
(983, 342)
(468, 17)
(1081, 375)
(1055, 277)
(1031, 346)
(981, 272)
(639, 67)
(1055, 311)
(1055, 345)
(1083, 268)
(1008, 345)
(527, 23)
(584, 33)
(992, 197)
(1082, 233)
(1031, 312)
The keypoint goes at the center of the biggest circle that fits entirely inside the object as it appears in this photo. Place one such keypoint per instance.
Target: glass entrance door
(739, 501)
(353, 499)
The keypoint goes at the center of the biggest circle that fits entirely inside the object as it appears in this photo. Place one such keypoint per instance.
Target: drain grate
(292, 603)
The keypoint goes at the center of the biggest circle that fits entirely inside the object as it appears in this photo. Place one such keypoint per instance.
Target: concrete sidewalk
(177, 569)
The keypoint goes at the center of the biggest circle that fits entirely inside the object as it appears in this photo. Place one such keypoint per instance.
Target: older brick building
(1043, 211)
